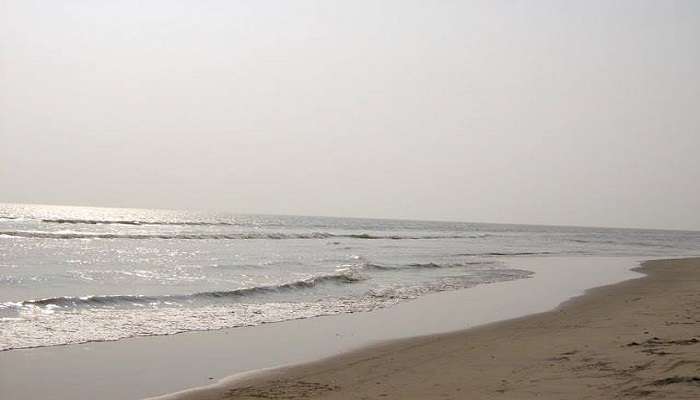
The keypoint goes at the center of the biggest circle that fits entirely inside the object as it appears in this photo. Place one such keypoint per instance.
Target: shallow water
(77, 274)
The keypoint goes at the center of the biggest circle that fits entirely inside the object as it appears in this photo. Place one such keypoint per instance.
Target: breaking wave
(346, 277)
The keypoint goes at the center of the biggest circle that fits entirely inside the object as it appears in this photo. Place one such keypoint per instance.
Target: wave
(449, 283)
(346, 277)
(204, 223)
(113, 323)
(136, 222)
(184, 236)
(621, 243)
(407, 266)
(216, 236)
(429, 265)
(500, 253)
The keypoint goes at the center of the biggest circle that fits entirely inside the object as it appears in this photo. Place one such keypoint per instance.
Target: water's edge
(150, 366)
(624, 270)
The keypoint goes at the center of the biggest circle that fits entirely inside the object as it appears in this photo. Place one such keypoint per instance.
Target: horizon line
(357, 217)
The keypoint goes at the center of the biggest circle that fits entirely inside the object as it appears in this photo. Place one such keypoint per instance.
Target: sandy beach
(635, 339)
(362, 200)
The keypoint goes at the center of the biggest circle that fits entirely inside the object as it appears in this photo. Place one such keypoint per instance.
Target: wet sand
(635, 339)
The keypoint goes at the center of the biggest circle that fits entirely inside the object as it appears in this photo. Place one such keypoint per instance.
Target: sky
(543, 112)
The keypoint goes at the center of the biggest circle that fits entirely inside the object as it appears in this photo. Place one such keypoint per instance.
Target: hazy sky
(555, 112)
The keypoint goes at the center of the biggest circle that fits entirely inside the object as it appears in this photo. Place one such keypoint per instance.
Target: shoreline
(636, 338)
(144, 367)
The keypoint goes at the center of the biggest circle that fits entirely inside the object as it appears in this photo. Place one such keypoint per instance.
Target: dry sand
(635, 339)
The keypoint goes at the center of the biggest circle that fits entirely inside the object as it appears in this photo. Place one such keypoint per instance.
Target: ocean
(81, 274)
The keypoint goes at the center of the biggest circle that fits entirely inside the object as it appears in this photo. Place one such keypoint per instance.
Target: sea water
(80, 274)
